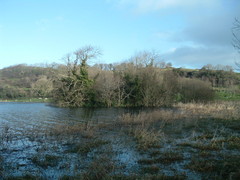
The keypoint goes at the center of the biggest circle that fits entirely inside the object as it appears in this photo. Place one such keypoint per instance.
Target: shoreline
(31, 100)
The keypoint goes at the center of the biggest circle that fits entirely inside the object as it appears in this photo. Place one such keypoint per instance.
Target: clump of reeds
(146, 138)
(146, 118)
(84, 130)
(100, 168)
(218, 110)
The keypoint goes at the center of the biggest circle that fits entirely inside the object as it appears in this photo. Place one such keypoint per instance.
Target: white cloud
(204, 36)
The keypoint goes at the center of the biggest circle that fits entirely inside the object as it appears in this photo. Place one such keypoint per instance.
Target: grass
(1, 167)
(46, 161)
(227, 95)
(218, 110)
(146, 139)
(147, 161)
(202, 146)
(226, 167)
(128, 177)
(84, 130)
(25, 177)
(150, 169)
(154, 153)
(169, 157)
(86, 147)
(196, 139)
(164, 158)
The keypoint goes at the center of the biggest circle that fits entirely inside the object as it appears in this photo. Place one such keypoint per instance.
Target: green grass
(226, 95)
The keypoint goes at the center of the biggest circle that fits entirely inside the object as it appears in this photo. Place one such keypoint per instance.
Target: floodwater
(48, 142)
(24, 144)
(25, 116)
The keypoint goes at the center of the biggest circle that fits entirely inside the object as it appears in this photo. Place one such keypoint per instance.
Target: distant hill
(22, 81)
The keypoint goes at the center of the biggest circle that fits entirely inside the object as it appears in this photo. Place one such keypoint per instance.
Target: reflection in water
(26, 141)
(23, 116)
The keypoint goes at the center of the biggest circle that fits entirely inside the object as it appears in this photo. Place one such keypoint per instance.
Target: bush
(195, 90)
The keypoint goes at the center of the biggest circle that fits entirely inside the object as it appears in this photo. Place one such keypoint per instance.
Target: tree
(74, 89)
(146, 58)
(236, 37)
(105, 87)
(195, 90)
(42, 87)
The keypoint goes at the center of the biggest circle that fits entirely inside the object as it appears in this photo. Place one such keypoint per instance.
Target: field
(188, 141)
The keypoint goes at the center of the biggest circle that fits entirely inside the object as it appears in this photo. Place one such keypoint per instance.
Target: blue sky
(188, 33)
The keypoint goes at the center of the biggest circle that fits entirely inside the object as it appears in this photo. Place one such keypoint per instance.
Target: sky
(187, 33)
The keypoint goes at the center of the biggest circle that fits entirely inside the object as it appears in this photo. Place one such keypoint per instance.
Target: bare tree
(146, 59)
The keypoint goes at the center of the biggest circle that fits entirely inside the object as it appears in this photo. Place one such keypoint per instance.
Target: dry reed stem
(218, 110)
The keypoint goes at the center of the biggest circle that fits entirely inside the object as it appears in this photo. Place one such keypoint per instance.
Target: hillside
(23, 81)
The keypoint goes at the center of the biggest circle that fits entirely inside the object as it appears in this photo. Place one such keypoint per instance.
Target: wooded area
(143, 80)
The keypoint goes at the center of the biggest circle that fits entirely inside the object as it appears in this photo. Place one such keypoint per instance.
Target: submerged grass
(84, 148)
(46, 161)
(201, 140)
(226, 167)
(146, 138)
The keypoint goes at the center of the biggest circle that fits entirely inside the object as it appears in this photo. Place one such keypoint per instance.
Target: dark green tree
(75, 88)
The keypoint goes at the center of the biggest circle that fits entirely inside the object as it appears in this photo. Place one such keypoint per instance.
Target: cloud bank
(205, 38)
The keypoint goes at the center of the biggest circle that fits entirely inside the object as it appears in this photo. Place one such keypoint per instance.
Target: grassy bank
(227, 94)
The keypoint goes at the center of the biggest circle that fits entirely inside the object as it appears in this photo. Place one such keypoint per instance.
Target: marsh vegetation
(187, 141)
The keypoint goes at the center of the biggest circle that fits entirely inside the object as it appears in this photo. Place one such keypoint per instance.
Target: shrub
(195, 90)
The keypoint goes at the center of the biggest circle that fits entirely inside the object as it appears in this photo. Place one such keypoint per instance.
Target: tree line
(143, 81)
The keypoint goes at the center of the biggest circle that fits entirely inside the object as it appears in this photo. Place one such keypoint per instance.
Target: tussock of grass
(147, 161)
(164, 158)
(151, 169)
(47, 160)
(226, 168)
(25, 177)
(201, 165)
(146, 118)
(204, 154)
(169, 157)
(146, 138)
(87, 147)
(100, 168)
(84, 130)
(154, 153)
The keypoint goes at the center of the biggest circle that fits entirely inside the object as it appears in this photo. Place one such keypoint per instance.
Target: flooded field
(192, 141)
